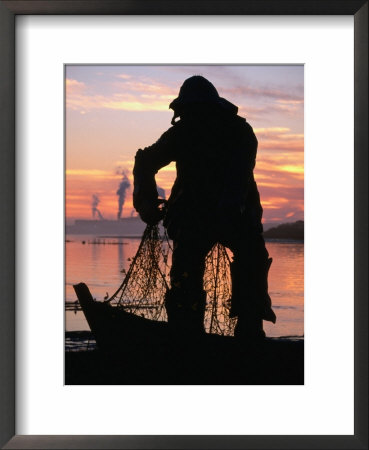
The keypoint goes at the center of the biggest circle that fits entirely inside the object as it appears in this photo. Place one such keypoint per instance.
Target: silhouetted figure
(214, 199)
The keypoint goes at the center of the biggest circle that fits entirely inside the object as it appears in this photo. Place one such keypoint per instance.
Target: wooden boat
(137, 350)
(113, 327)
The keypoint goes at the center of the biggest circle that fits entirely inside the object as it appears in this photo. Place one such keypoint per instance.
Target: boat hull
(135, 350)
(114, 328)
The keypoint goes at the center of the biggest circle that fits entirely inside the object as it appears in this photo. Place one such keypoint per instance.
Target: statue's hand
(151, 214)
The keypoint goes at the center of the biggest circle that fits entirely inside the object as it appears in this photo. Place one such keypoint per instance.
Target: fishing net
(145, 283)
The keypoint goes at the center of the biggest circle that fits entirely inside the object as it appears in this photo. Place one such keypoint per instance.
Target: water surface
(99, 262)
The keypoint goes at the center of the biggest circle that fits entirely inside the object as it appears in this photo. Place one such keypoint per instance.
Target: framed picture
(335, 372)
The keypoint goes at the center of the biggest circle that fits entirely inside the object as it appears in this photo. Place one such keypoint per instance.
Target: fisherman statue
(214, 199)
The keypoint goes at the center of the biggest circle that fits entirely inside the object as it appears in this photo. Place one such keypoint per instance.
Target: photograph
(184, 224)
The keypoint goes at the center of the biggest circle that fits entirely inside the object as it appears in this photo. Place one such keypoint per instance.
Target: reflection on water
(100, 266)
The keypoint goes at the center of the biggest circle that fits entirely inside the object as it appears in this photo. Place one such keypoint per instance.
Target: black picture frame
(8, 12)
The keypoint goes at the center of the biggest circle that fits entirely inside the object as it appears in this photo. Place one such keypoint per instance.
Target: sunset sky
(112, 111)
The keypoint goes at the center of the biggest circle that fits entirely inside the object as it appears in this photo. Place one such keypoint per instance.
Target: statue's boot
(249, 327)
(250, 301)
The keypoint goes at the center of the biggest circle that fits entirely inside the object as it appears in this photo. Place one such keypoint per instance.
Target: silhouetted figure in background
(214, 199)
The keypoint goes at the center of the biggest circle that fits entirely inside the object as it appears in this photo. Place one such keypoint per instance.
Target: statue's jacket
(215, 157)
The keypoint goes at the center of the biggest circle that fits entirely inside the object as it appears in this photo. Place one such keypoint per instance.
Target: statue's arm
(147, 163)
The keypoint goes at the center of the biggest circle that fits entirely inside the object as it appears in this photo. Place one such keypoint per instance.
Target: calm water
(100, 266)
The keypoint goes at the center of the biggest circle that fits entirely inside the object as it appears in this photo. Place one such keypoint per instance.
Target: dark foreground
(136, 350)
(212, 361)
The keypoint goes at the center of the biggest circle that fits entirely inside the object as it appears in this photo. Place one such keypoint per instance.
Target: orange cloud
(130, 95)
(279, 139)
(124, 76)
(136, 105)
(123, 102)
(271, 130)
(89, 173)
(295, 169)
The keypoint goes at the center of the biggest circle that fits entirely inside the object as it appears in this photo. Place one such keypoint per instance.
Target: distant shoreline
(289, 231)
(133, 228)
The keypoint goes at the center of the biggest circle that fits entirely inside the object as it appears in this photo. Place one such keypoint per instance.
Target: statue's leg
(185, 300)
(250, 302)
